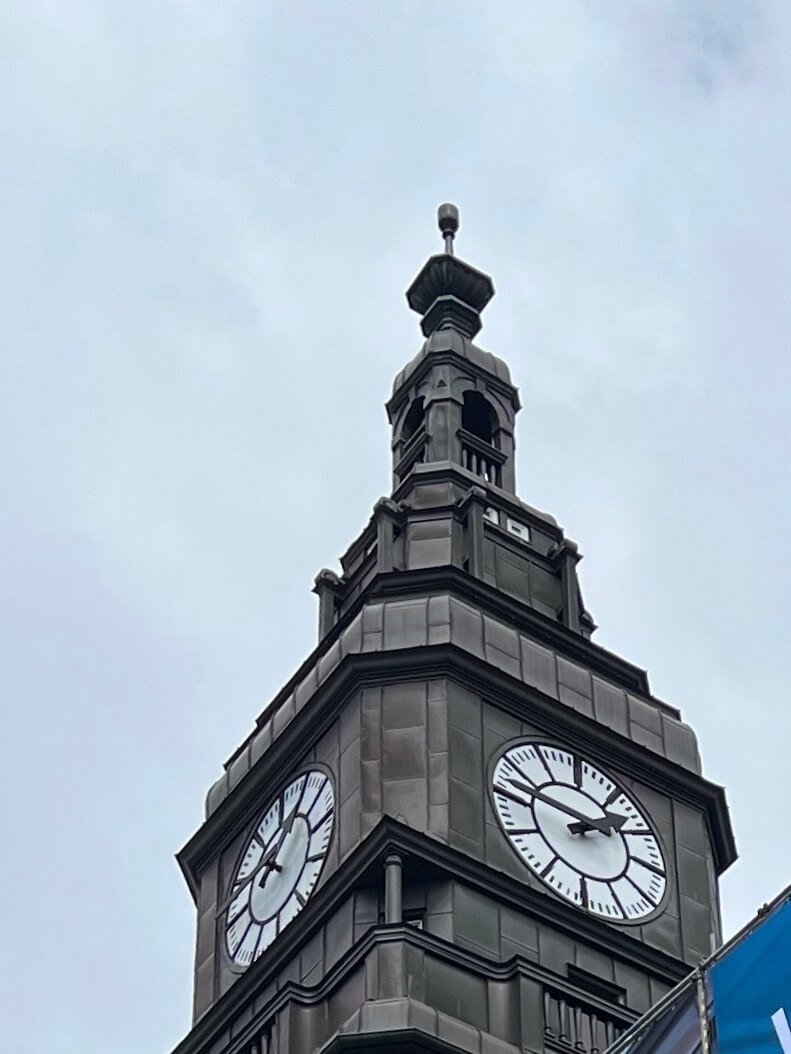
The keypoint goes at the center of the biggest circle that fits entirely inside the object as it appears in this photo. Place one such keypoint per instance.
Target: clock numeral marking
(247, 947)
(639, 889)
(513, 797)
(523, 830)
(649, 866)
(525, 776)
(584, 891)
(300, 898)
(268, 934)
(578, 770)
(289, 911)
(301, 796)
(267, 826)
(645, 850)
(234, 915)
(617, 901)
(317, 782)
(548, 868)
(236, 945)
(320, 823)
(543, 760)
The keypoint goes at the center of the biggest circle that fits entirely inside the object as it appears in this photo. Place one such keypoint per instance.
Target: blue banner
(676, 1030)
(751, 990)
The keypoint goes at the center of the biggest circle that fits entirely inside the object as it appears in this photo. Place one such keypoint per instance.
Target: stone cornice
(381, 667)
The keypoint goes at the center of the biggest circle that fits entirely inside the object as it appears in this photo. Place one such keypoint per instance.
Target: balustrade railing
(480, 458)
(413, 452)
(262, 1044)
(575, 1026)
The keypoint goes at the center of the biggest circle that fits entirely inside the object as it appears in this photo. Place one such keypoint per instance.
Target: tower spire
(449, 293)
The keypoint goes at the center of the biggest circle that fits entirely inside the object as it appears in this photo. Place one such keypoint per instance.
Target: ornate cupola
(454, 504)
(454, 404)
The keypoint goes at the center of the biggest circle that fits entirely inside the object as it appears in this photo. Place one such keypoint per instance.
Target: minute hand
(605, 825)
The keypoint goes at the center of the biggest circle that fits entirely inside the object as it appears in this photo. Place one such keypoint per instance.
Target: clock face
(280, 866)
(579, 831)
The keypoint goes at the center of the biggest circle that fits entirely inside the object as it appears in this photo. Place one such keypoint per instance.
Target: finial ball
(448, 218)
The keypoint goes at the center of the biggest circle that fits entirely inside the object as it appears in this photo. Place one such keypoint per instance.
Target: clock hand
(616, 822)
(285, 831)
(268, 860)
(265, 861)
(608, 823)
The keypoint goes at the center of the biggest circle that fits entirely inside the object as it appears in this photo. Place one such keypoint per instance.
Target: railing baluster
(573, 1023)
(548, 1013)
(564, 1021)
(579, 1020)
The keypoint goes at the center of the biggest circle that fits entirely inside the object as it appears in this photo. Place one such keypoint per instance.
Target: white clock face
(280, 866)
(579, 831)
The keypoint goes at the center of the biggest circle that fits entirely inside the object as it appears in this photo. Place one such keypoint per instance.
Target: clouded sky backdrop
(209, 215)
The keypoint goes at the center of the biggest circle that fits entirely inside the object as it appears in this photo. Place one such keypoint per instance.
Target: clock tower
(461, 825)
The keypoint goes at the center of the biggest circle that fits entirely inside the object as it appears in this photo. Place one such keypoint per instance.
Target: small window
(521, 530)
(492, 515)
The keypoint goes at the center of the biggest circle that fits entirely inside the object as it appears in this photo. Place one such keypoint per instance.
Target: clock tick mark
(548, 868)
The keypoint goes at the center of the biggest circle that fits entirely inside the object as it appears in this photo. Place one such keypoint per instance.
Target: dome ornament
(449, 293)
(448, 221)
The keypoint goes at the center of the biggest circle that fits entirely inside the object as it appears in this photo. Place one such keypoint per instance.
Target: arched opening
(413, 422)
(478, 417)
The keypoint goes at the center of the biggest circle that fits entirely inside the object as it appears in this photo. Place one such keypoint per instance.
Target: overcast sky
(210, 212)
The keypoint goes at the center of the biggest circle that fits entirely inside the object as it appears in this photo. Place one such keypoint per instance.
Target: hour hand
(612, 819)
(267, 863)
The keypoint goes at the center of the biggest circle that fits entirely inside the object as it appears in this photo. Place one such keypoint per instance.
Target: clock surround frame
(274, 794)
(534, 739)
